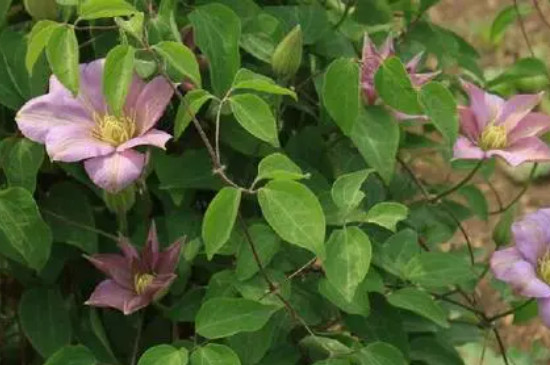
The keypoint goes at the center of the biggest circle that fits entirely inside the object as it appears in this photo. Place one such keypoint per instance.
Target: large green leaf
(181, 59)
(219, 219)
(95, 9)
(223, 317)
(387, 214)
(279, 167)
(348, 259)
(346, 190)
(24, 237)
(22, 161)
(358, 305)
(376, 136)
(341, 93)
(295, 213)
(395, 87)
(37, 41)
(248, 80)
(439, 269)
(45, 320)
(255, 115)
(72, 355)
(217, 32)
(117, 76)
(397, 251)
(63, 57)
(440, 107)
(505, 18)
(214, 354)
(420, 302)
(380, 353)
(190, 105)
(164, 355)
(268, 245)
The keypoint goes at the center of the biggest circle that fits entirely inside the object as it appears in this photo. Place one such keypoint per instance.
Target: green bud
(121, 202)
(287, 57)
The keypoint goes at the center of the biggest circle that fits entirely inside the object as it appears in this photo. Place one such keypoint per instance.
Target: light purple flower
(492, 126)
(372, 59)
(526, 266)
(135, 280)
(84, 129)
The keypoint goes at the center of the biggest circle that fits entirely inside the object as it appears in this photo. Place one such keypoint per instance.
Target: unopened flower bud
(122, 201)
(287, 57)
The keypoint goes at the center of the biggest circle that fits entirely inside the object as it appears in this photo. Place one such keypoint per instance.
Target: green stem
(520, 194)
(459, 185)
(122, 223)
(137, 339)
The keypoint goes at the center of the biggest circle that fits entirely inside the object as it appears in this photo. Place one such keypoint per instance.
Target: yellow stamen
(114, 130)
(493, 137)
(141, 282)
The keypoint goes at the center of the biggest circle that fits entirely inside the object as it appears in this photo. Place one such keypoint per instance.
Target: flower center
(114, 130)
(142, 281)
(493, 137)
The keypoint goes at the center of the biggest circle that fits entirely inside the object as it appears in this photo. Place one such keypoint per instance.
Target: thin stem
(520, 194)
(95, 27)
(349, 5)
(217, 136)
(463, 231)
(501, 346)
(459, 185)
(496, 194)
(81, 226)
(510, 311)
(522, 27)
(137, 339)
(122, 223)
(415, 179)
(540, 13)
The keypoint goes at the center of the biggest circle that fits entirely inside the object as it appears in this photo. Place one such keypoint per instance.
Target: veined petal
(468, 123)
(108, 294)
(530, 149)
(116, 171)
(114, 266)
(168, 259)
(466, 149)
(387, 49)
(370, 62)
(150, 252)
(533, 124)
(486, 107)
(91, 86)
(532, 235)
(136, 87)
(420, 79)
(516, 108)
(74, 143)
(158, 287)
(151, 103)
(153, 137)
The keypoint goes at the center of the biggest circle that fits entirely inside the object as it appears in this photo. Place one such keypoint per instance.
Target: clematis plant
(135, 280)
(526, 266)
(83, 128)
(492, 126)
(371, 60)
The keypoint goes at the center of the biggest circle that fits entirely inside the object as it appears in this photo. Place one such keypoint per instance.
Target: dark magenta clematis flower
(526, 266)
(371, 60)
(135, 280)
(83, 128)
(492, 126)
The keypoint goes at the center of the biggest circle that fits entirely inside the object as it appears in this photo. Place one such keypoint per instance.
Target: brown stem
(522, 27)
(501, 346)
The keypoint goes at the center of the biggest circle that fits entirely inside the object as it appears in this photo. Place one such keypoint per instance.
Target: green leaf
(223, 317)
(295, 213)
(214, 354)
(440, 106)
(524, 68)
(348, 259)
(397, 251)
(279, 167)
(181, 59)
(72, 355)
(190, 105)
(219, 219)
(132, 26)
(268, 245)
(431, 350)
(22, 161)
(346, 190)
(376, 136)
(387, 214)
(395, 87)
(358, 305)
(59, 208)
(373, 12)
(45, 320)
(217, 32)
(476, 201)
(117, 76)
(95, 9)
(438, 269)
(255, 115)
(380, 353)
(164, 355)
(248, 80)
(334, 361)
(37, 41)
(341, 93)
(505, 18)
(418, 301)
(502, 233)
(24, 237)
(63, 57)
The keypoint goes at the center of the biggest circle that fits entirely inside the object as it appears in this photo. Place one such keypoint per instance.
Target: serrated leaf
(387, 214)
(190, 105)
(223, 317)
(295, 213)
(279, 167)
(63, 56)
(395, 87)
(255, 115)
(420, 302)
(440, 106)
(219, 219)
(164, 355)
(72, 355)
(214, 354)
(117, 76)
(95, 9)
(181, 59)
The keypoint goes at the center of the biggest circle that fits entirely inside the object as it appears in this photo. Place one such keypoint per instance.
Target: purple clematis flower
(492, 126)
(526, 266)
(135, 280)
(372, 59)
(83, 128)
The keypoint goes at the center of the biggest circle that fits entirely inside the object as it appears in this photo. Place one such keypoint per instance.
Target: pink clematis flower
(492, 126)
(83, 128)
(135, 280)
(372, 59)
(526, 266)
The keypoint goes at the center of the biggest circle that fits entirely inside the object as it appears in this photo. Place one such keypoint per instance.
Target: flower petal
(136, 87)
(115, 266)
(509, 266)
(544, 310)
(420, 79)
(75, 143)
(370, 62)
(152, 102)
(468, 123)
(108, 294)
(533, 124)
(466, 149)
(91, 86)
(151, 250)
(116, 171)
(168, 259)
(486, 107)
(413, 63)
(530, 149)
(158, 287)
(516, 108)
(154, 137)
(387, 50)
(532, 235)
